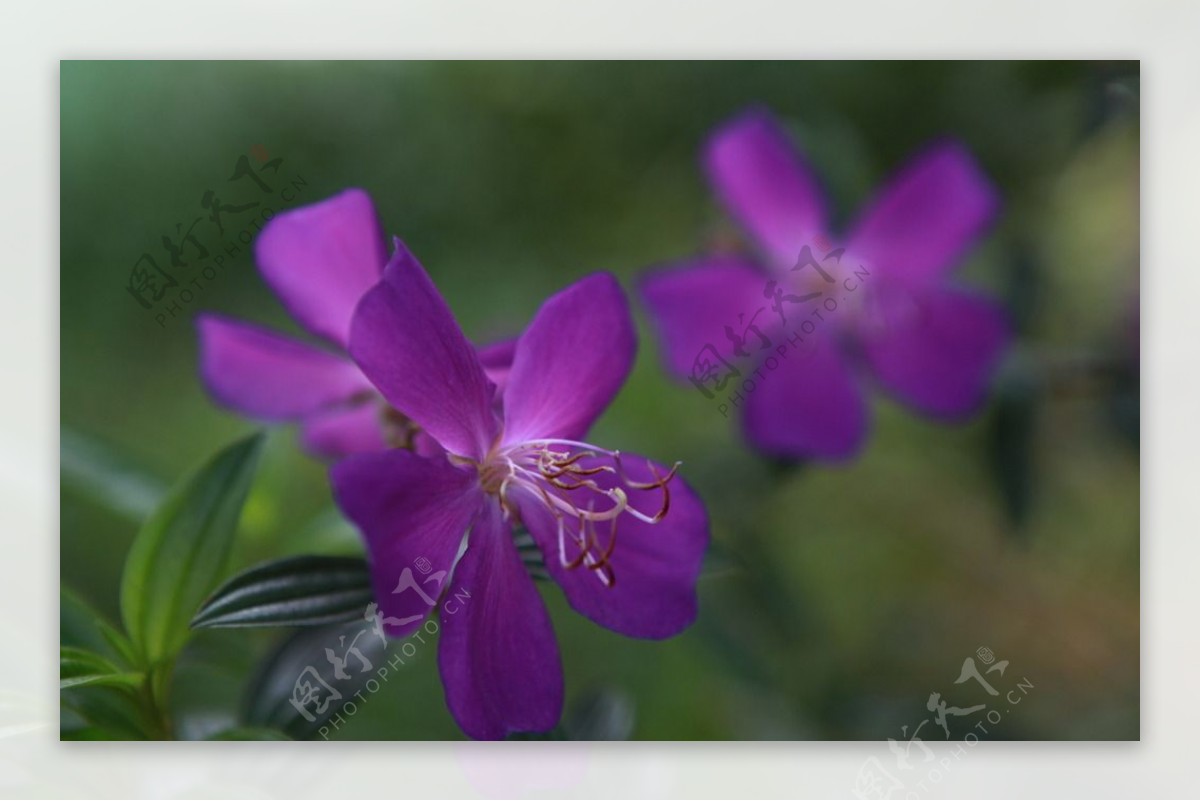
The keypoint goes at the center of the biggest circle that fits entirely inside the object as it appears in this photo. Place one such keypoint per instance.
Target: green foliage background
(836, 599)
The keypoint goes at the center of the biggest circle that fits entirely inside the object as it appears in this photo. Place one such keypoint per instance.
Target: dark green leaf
(78, 623)
(115, 711)
(298, 591)
(102, 695)
(86, 733)
(250, 733)
(1011, 445)
(118, 642)
(79, 667)
(1124, 404)
(605, 714)
(301, 660)
(181, 550)
(106, 477)
(531, 555)
(84, 627)
(131, 680)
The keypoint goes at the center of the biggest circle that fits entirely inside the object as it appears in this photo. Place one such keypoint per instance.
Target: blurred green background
(835, 600)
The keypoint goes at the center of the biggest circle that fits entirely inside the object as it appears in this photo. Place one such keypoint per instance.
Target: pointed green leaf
(250, 733)
(1011, 446)
(114, 710)
(86, 733)
(298, 661)
(78, 623)
(602, 714)
(82, 626)
(181, 551)
(74, 661)
(118, 642)
(106, 477)
(297, 591)
(78, 667)
(130, 680)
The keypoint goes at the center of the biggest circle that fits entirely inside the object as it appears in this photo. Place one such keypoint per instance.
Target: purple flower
(621, 535)
(320, 260)
(930, 344)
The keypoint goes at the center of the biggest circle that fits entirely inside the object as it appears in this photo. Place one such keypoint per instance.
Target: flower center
(398, 430)
(584, 489)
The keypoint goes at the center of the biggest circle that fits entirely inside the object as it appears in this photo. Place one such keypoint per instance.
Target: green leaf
(86, 733)
(82, 626)
(106, 477)
(602, 714)
(131, 680)
(297, 591)
(268, 701)
(78, 623)
(181, 551)
(118, 642)
(531, 555)
(78, 667)
(250, 733)
(113, 710)
(1012, 441)
(103, 695)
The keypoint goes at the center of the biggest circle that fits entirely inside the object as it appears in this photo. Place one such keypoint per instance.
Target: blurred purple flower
(622, 536)
(319, 260)
(930, 344)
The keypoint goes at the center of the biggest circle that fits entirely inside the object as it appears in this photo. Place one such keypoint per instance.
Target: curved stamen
(580, 486)
(658, 483)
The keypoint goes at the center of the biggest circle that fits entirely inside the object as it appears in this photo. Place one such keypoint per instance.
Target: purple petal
(691, 304)
(654, 566)
(810, 407)
(765, 183)
(408, 343)
(268, 376)
(413, 514)
(321, 259)
(924, 220)
(939, 350)
(341, 431)
(498, 657)
(570, 362)
(497, 359)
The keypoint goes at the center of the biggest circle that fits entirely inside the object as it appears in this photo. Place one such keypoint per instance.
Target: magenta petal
(691, 304)
(322, 258)
(938, 350)
(498, 657)
(570, 362)
(766, 185)
(341, 431)
(413, 514)
(924, 220)
(408, 343)
(268, 376)
(497, 359)
(809, 407)
(498, 355)
(654, 566)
